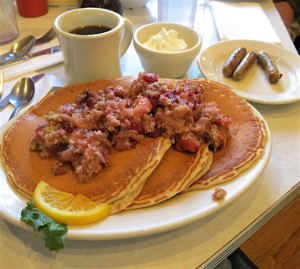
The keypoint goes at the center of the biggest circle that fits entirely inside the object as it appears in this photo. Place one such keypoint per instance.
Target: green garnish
(53, 233)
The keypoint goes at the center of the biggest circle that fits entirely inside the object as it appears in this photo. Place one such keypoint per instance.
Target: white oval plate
(255, 86)
(172, 214)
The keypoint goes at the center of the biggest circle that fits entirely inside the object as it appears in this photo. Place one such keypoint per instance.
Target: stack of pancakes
(148, 174)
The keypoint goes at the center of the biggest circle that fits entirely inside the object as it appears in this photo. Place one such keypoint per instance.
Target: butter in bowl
(167, 49)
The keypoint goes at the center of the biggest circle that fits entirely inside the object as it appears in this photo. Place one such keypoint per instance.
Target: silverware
(5, 101)
(1, 83)
(24, 45)
(24, 58)
(18, 49)
(21, 94)
(46, 37)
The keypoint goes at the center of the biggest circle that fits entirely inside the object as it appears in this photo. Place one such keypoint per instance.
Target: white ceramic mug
(93, 56)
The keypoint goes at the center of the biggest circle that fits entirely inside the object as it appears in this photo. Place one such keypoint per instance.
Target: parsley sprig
(52, 233)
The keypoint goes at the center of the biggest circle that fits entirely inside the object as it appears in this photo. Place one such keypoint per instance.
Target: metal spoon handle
(15, 112)
(7, 57)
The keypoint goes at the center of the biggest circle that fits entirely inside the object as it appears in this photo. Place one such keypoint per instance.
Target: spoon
(21, 94)
(19, 49)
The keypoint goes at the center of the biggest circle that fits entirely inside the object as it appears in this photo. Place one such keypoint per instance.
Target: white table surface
(203, 243)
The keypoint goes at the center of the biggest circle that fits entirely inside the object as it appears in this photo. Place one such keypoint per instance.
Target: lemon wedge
(66, 207)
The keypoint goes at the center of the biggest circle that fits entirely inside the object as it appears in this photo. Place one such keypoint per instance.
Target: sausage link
(244, 65)
(232, 61)
(270, 68)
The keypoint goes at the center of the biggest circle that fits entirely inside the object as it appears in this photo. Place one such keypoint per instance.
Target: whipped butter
(166, 41)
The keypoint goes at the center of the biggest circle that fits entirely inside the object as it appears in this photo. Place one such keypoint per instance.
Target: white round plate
(255, 86)
(174, 213)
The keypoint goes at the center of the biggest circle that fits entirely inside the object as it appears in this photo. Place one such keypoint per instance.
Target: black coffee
(90, 30)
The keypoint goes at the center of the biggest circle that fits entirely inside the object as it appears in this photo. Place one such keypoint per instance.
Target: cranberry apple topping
(84, 132)
(219, 194)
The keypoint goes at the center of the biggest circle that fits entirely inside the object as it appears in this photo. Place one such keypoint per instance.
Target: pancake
(124, 174)
(176, 171)
(248, 137)
(118, 183)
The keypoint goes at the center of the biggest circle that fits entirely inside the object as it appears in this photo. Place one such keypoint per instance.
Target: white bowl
(167, 64)
(133, 4)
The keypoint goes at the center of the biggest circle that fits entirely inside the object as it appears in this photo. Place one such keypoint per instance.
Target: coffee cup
(92, 41)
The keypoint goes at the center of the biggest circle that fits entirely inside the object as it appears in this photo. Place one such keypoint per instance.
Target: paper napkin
(243, 20)
(35, 64)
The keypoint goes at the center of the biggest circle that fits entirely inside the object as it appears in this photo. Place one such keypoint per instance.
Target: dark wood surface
(277, 244)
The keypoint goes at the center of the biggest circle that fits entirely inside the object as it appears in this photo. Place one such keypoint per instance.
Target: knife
(5, 101)
(24, 58)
